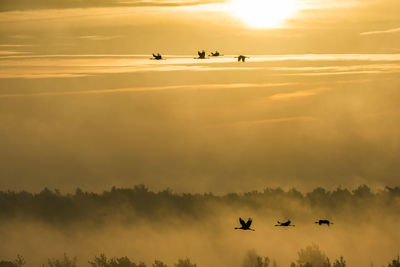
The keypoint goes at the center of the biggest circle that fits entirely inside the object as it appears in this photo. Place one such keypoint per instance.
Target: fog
(315, 107)
(82, 105)
(290, 121)
(167, 226)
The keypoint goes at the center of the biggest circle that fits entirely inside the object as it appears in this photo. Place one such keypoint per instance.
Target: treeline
(311, 256)
(130, 203)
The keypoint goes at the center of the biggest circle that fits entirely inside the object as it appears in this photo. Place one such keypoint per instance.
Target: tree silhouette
(395, 263)
(185, 263)
(18, 262)
(252, 259)
(64, 262)
(102, 261)
(312, 256)
(340, 262)
(128, 204)
(158, 263)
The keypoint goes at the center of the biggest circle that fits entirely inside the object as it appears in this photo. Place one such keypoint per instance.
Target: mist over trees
(18, 262)
(311, 256)
(127, 204)
(141, 223)
(65, 261)
(252, 259)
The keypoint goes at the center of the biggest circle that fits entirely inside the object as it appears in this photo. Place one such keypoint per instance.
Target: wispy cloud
(8, 53)
(343, 73)
(253, 58)
(14, 45)
(10, 5)
(250, 123)
(61, 66)
(297, 94)
(341, 70)
(217, 86)
(98, 37)
(395, 30)
(40, 73)
(285, 119)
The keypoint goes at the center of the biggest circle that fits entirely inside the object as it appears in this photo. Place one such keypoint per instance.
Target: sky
(315, 104)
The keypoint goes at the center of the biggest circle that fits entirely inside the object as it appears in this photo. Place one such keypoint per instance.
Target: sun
(263, 13)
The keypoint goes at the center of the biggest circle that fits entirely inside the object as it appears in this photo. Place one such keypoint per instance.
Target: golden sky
(316, 104)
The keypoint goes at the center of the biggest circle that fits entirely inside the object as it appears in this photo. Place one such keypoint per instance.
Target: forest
(127, 204)
(138, 227)
(311, 256)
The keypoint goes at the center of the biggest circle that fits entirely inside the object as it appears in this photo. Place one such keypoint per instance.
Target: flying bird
(288, 223)
(202, 54)
(245, 225)
(327, 222)
(241, 58)
(216, 54)
(157, 57)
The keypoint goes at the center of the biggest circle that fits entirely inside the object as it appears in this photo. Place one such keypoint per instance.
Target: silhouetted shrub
(252, 259)
(64, 262)
(312, 256)
(18, 262)
(102, 261)
(158, 263)
(185, 263)
(395, 263)
(340, 262)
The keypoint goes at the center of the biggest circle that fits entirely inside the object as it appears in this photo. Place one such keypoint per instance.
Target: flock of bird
(246, 225)
(202, 55)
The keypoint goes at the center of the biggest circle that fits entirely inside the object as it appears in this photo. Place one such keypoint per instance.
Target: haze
(316, 104)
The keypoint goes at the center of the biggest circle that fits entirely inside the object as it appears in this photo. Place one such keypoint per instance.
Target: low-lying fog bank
(145, 225)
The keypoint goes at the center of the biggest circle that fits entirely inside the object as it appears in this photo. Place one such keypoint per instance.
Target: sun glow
(263, 13)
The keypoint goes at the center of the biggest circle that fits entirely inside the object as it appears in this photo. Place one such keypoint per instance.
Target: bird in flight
(157, 56)
(202, 54)
(216, 54)
(327, 222)
(288, 223)
(242, 58)
(245, 225)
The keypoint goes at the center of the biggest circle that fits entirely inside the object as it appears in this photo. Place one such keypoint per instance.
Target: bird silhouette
(245, 225)
(241, 58)
(202, 54)
(216, 54)
(288, 223)
(327, 222)
(157, 57)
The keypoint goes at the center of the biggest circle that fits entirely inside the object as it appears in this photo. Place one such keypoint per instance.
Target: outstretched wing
(249, 221)
(242, 222)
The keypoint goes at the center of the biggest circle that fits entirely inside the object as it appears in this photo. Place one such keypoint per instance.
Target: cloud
(8, 53)
(98, 37)
(14, 45)
(381, 32)
(38, 73)
(10, 5)
(285, 119)
(155, 88)
(341, 70)
(268, 121)
(297, 94)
